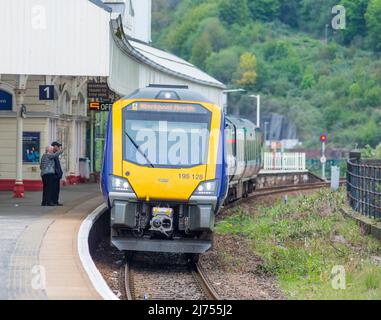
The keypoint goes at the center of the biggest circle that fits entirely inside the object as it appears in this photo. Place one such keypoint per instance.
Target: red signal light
(323, 138)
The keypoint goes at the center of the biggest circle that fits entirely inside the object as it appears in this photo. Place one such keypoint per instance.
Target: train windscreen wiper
(138, 149)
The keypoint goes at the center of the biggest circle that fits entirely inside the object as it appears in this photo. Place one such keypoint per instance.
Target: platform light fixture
(227, 96)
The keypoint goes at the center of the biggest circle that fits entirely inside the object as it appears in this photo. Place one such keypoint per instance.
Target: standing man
(48, 174)
(58, 174)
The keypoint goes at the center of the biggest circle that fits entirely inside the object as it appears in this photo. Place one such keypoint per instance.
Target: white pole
(258, 111)
(19, 184)
(323, 164)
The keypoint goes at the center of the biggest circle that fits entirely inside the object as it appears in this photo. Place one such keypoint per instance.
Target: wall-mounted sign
(31, 147)
(100, 97)
(46, 93)
(96, 90)
(103, 105)
(6, 101)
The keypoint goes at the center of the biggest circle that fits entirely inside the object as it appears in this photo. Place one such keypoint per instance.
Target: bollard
(335, 178)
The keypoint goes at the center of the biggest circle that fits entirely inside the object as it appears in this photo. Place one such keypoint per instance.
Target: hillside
(277, 49)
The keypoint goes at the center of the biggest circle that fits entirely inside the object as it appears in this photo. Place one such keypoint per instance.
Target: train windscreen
(166, 134)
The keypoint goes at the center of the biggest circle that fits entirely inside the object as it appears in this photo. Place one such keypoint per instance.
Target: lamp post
(227, 96)
(265, 133)
(326, 33)
(258, 97)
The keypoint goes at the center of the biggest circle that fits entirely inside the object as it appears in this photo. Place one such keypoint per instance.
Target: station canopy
(60, 37)
(174, 63)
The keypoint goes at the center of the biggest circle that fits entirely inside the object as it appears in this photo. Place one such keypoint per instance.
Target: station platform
(38, 246)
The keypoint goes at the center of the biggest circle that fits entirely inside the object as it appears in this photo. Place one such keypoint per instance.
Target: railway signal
(323, 159)
(323, 138)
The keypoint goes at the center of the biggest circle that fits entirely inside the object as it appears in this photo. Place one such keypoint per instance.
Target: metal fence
(364, 186)
(315, 166)
(284, 161)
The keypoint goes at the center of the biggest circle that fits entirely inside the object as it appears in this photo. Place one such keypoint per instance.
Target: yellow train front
(165, 173)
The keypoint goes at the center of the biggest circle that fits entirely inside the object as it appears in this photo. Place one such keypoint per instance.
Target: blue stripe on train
(108, 159)
(221, 167)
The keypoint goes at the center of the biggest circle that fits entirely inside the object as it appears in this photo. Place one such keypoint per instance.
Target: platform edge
(88, 264)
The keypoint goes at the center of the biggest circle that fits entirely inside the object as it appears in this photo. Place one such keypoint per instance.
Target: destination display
(167, 107)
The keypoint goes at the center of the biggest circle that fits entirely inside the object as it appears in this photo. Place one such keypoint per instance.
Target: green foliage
(308, 80)
(317, 86)
(373, 96)
(224, 64)
(265, 10)
(277, 50)
(301, 241)
(232, 12)
(176, 39)
(367, 152)
(201, 50)
(355, 19)
(373, 20)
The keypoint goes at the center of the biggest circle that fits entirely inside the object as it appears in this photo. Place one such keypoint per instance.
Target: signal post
(323, 159)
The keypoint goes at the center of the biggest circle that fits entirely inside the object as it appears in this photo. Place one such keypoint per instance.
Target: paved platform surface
(38, 245)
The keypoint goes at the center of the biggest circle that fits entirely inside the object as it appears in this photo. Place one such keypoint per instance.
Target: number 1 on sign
(47, 91)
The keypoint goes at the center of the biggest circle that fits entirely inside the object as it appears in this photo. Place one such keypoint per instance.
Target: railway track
(178, 280)
(144, 277)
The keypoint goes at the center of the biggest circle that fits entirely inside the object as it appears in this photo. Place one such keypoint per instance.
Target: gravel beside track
(232, 268)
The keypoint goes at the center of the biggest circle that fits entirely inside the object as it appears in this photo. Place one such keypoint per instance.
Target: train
(172, 160)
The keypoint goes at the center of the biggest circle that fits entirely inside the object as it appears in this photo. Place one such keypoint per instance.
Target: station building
(54, 49)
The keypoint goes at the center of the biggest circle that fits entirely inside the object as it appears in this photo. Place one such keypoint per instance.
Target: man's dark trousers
(57, 181)
(48, 181)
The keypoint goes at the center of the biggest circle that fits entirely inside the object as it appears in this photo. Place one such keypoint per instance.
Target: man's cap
(56, 144)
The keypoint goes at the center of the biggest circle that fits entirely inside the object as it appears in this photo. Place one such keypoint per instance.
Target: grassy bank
(301, 241)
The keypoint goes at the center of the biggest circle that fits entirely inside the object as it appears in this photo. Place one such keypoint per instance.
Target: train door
(241, 164)
(230, 134)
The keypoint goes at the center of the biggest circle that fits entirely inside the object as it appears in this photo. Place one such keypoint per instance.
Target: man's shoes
(50, 205)
(58, 204)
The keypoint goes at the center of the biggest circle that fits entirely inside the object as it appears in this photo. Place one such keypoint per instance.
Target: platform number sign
(46, 93)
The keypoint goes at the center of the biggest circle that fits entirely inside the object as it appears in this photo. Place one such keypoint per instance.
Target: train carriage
(170, 157)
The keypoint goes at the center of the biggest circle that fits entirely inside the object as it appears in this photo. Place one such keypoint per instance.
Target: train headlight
(207, 188)
(120, 185)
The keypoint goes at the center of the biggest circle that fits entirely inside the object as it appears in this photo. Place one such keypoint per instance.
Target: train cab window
(166, 135)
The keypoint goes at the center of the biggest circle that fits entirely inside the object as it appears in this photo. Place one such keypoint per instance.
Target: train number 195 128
(188, 176)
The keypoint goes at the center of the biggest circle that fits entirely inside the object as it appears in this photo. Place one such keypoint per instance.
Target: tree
(265, 10)
(373, 20)
(308, 80)
(373, 96)
(247, 70)
(276, 50)
(223, 65)
(218, 35)
(202, 49)
(314, 15)
(355, 91)
(355, 16)
(232, 12)
(177, 37)
(289, 12)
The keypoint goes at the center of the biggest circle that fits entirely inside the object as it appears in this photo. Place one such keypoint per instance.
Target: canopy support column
(19, 189)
